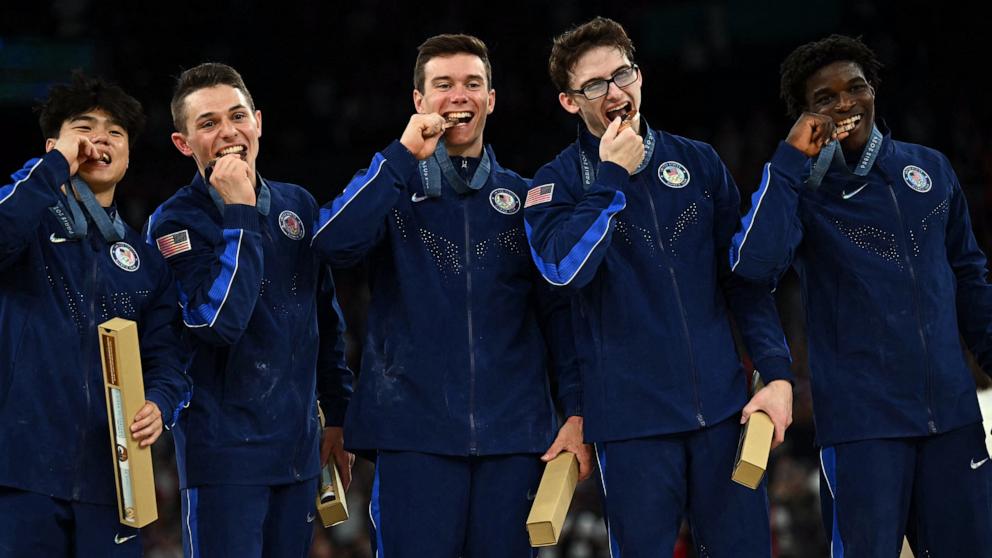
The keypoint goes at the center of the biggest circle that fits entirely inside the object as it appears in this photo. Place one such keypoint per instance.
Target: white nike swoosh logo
(849, 195)
(979, 464)
(417, 198)
(57, 239)
(309, 518)
(121, 540)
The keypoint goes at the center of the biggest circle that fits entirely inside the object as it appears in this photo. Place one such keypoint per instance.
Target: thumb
(612, 129)
(746, 413)
(552, 452)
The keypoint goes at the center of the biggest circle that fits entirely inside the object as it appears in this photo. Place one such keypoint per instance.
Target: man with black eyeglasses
(637, 223)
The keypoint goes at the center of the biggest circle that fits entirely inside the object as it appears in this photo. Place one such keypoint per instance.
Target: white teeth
(105, 158)
(459, 117)
(232, 149)
(847, 124)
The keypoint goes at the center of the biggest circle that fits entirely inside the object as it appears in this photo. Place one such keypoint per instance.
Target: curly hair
(83, 94)
(807, 59)
(572, 44)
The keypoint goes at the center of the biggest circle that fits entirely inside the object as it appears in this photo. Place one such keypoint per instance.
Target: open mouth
(623, 111)
(239, 150)
(848, 124)
(457, 118)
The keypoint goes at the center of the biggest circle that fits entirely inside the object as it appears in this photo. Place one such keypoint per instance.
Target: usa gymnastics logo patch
(125, 256)
(504, 201)
(291, 225)
(673, 174)
(917, 178)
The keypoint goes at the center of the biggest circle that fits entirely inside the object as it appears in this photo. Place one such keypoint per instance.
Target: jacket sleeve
(334, 378)
(764, 247)
(355, 221)
(219, 278)
(554, 313)
(24, 202)
(751, 304)
(974, 294)
(569, 234)
(166, 381)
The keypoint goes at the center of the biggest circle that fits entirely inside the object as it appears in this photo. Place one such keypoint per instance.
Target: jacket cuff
(334, 412)
(169, 413)
(240, 216)
(401, 160)
(792, 161)
(612, 175)
(774, 368)
(571, 405)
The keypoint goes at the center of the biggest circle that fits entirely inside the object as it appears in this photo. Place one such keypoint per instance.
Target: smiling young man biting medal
(453, 401)
(892, 278)
(254, 297)
(637, 221)
(68, 263)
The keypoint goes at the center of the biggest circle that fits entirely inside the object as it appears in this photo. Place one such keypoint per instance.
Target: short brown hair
(208, 74)
(450, 45)
(572, 44)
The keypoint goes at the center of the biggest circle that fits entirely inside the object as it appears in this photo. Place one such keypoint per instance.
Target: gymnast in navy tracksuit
(892, 279)
(453, 401)
(252, 295)
(638, 229)
(68, 264)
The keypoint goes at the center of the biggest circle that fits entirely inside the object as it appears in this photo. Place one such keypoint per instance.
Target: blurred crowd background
(334, 82)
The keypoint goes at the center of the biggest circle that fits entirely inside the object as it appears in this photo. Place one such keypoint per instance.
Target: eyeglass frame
(612, 79)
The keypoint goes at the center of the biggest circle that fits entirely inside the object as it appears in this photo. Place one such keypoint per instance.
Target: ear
(49, 144)
(258, 119)
(568, 103)
(179, 141)
(871, 89)
(491, 105)
(418, 101)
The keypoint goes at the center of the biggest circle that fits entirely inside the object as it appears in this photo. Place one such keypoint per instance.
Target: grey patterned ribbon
(433, 167)
(111, 230)
(832, 155)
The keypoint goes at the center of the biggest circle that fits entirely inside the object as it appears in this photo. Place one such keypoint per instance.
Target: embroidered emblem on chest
(917, 178)
(504, 201)
(125, 256)
(673, 174)
(291, 225)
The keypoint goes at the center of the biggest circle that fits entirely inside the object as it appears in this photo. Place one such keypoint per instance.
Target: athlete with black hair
(892, 278)
(68, 263)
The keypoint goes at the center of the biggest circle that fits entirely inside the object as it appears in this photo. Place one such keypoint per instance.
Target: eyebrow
(826, 88)
(211, 114)
(93, 120)
(467, 78)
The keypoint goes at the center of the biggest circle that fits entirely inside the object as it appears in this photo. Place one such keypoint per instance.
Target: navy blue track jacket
(647, 256)
(248, 284)
(891, 276)
(54, 292)
(454, 361)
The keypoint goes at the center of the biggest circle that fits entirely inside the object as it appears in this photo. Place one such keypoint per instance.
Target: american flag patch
(175, 243)
(539, 194)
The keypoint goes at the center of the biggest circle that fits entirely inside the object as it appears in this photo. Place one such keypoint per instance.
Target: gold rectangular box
(554, 495)
(124, 389)
(332, 506)
(753, 450)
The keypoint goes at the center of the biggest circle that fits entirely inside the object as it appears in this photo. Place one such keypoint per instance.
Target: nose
(99, 135)
(845, 101)
(228, 130)
(613, 90)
